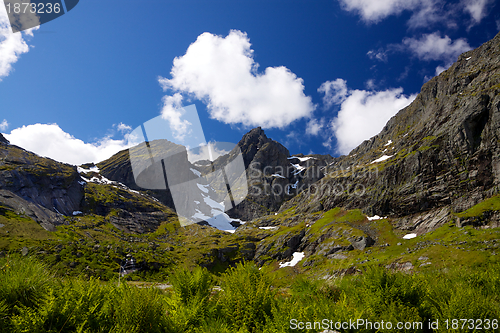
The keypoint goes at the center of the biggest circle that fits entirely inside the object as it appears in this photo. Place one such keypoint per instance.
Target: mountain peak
(3, 139)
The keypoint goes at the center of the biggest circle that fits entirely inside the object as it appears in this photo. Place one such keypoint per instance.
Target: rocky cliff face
(273, 175)
(37, 186)
(438, 155)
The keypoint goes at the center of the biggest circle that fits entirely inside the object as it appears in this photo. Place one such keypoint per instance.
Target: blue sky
(319, 76)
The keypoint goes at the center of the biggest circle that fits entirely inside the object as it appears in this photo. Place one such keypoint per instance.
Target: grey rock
(362, 242)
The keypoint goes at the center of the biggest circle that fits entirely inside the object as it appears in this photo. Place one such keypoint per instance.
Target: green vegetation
(244, 299)
(491, 204)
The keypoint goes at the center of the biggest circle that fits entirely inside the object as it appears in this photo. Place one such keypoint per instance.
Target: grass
(491, 204)
(247, 300)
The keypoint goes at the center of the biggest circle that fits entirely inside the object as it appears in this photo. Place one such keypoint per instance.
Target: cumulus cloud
(424, 12)
(12, 45)
(373, 11)
(363, 114)
(335, 92)
(172, 112)
(477, 9)
(49, 140)
(4, 125)
(434, 47)
(429, 47)
(221, 72)
(314, 126)
(123, 128)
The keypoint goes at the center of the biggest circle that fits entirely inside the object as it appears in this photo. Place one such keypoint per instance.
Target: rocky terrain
(427, 186)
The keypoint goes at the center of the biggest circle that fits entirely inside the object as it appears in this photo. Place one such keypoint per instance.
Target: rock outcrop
(48, 184)
(442, 151)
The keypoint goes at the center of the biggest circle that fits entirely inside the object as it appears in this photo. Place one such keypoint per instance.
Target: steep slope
(38, 187)
(273, 175)
(51, 192)
(438, 155)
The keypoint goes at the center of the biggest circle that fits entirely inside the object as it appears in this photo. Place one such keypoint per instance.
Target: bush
(23, 281)
(247, 298)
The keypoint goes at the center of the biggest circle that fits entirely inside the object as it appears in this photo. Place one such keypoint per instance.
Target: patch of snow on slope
(409, 236)
(298, 168)
(213, 204)
(374, 217)
(93, 169)
(268, 228)
(302, 159)
(276, 175)
(388, 143)
(380, 159)
(297, 256)
(203, 187)
(77, 212)
(287, 189)
(196, 172)
(200, 215)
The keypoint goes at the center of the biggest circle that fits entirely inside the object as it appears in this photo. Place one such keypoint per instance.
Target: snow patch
(409, 236)
(374, 217)
(388, 143)
(213, 204)
(297, 256)
(77, 212)
(196, 172)
(298, 168)
(203, 187)
(302, 159)
(380, 159)
(468, 58)
(287, 189)
(200, 215)
(93, 169)
(268, 228)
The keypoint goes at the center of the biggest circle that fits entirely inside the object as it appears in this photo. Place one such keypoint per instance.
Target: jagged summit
(256, 139)
(3, 139)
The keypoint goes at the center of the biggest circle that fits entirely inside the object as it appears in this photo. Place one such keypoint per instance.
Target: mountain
(427, 186)
(438, 156)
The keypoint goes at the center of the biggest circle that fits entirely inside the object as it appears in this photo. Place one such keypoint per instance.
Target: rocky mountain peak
(255, 140)
(3, 139)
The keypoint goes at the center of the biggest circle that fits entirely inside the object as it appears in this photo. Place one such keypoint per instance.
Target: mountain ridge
(435, 167)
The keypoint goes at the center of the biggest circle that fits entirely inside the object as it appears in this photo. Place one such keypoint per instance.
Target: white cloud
(51, 141)
(172, 112)
(363, 114)
(314, 126)
(478, 9)
(424, 13)
(335, 92)
(380, 54)
(123, 128)
(221, 72)
(372, 11)
(434, 47)
(4, 125)
(12, 45)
